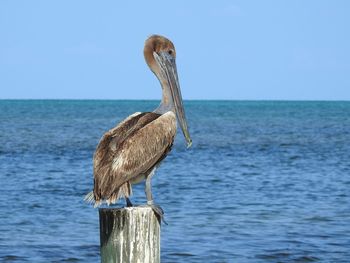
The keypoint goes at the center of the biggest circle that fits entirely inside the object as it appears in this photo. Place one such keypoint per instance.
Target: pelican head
(160, 56)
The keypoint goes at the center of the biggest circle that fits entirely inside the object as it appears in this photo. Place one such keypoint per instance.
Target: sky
(230, 50)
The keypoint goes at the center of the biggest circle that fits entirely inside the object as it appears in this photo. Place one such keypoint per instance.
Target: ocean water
(263, 182)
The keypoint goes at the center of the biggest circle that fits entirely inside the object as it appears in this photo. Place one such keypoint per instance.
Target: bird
(131, 152)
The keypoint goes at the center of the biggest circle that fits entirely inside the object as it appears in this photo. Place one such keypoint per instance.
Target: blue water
(263, 182)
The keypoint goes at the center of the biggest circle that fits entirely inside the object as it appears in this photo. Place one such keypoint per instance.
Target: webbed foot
(158, 211)
(128, 202)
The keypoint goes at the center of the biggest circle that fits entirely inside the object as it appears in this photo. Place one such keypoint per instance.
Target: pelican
(130, 152)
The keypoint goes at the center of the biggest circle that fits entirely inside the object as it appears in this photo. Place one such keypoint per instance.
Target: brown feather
(131, 150)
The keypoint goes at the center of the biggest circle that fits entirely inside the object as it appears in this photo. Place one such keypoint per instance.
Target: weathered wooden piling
(130, 234)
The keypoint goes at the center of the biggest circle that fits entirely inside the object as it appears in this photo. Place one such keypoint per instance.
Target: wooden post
(130, 234)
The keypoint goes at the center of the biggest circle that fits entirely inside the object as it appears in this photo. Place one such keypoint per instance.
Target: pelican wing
(120, 158)
(114, 136)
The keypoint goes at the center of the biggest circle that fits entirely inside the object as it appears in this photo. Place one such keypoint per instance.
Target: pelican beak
(167, 65)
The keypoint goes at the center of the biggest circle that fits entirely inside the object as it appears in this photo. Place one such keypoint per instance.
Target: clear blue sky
(225, 49)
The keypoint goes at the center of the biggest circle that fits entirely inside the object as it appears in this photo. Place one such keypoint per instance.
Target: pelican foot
(158, 211)
(128, 202)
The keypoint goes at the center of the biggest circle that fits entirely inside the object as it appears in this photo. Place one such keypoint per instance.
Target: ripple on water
(13, 258)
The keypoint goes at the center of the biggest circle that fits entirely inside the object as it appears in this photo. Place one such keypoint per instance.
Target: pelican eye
(170, 52)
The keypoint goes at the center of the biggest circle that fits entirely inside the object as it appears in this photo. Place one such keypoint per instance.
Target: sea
(264, 181)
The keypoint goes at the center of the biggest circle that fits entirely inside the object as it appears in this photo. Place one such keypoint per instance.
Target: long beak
(167, 65)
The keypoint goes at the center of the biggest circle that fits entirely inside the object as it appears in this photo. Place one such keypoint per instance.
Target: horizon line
(83, 99)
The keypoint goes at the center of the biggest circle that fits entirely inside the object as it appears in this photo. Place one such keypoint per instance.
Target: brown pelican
(130, 152)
